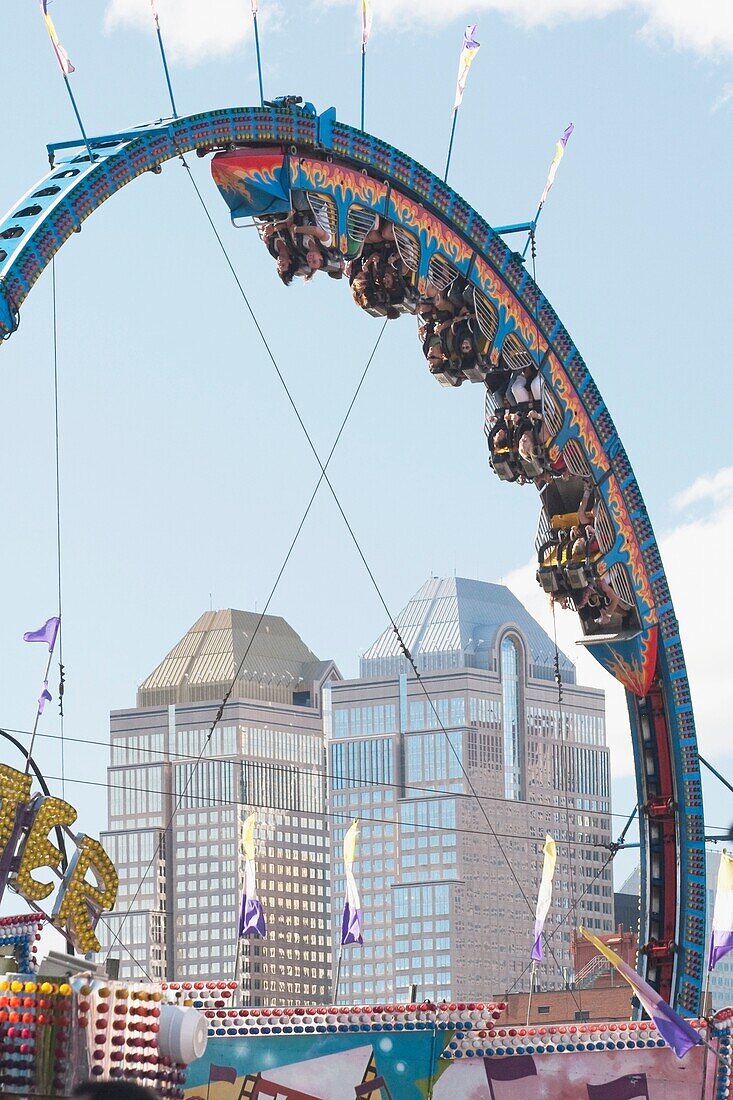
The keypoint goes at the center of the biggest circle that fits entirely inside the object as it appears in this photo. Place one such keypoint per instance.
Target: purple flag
(47, 633)
(351, 920)
(510, 1069)
(251, 918)
(351, 926)
(675, 1030)
(44, 697)
(222, 1073)
(721, 941)
(251, 914)
(623, 1088)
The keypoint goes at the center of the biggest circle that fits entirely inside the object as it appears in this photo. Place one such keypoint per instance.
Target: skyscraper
(456, 778)
(177, 800)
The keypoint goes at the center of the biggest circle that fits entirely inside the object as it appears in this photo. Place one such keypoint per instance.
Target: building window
(510, 667)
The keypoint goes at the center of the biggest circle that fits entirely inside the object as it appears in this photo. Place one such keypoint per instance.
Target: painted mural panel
(412, 1066)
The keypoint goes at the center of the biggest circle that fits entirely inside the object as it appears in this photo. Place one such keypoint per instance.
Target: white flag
(470, 48)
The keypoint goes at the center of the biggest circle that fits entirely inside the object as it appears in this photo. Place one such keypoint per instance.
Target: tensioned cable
(347, 780)
(492, 831)
(204, 802)
(564, 752)
(564, 746)
(615, 849)
(349, 528)
(58, 522)
(565, 918)
(227, 694)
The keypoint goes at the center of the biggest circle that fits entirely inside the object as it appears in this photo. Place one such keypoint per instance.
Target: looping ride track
(285, 148)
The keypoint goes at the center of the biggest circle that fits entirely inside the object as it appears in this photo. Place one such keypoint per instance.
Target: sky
(183, 471)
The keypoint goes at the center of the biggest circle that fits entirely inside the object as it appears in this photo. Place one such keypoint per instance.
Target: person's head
(360, 295)
(388, 280)
(113, 1090)
(465, 346)
(579, 548)
(284, 263)
(315, 259)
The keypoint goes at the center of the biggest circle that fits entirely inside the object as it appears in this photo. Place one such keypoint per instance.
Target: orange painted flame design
(345, 184)
(437, 233)
(637, 568)
(236, 175)
(502, 295)
(637, 677)
(568, 396)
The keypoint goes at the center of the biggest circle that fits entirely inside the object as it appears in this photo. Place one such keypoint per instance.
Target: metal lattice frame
(421, 205)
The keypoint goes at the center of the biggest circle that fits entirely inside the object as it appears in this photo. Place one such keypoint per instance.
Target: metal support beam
(518, 227)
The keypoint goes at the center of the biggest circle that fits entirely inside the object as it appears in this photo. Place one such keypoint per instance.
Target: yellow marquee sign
(26, 849)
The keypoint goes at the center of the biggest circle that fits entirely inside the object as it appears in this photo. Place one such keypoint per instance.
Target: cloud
(704, 27)
(717, 490)
(703, 599)
(193, 31)
(197, 31)
(725, 97)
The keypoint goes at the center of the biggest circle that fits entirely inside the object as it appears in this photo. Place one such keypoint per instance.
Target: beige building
(177, 800)
(440, 884)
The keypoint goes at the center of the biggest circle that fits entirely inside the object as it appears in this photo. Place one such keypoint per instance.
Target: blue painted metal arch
(663, 730)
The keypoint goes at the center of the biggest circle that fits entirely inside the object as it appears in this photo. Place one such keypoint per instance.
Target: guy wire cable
(347, 523)
(227, 695)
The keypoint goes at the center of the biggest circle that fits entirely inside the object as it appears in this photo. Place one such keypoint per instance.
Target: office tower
(177, 800)
(456, 778)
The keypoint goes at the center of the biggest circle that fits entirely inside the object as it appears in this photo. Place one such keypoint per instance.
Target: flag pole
(363, 81)
(337, 983)
(706, 993)
(531, 990)
(257, 50)
(78, 116)
(38, 712)
(450, 144)
(533, 226)
(165, 63)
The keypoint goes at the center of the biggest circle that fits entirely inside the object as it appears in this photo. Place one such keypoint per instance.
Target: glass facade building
(178, 796)
(455, 779)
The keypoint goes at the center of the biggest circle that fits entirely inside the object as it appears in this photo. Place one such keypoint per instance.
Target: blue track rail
(663, 729)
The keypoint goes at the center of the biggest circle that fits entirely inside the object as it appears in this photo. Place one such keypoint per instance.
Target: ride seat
(564, 522)
(550, 579)
(578, 575)
(532, 467)
(503, 462)
(448, 378)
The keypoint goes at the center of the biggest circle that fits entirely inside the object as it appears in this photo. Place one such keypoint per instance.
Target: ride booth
(58, 1030)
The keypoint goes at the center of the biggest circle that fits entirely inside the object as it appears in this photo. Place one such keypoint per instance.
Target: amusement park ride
(286, 166)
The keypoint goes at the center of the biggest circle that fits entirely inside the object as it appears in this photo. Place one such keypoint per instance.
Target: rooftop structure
(454, 622)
